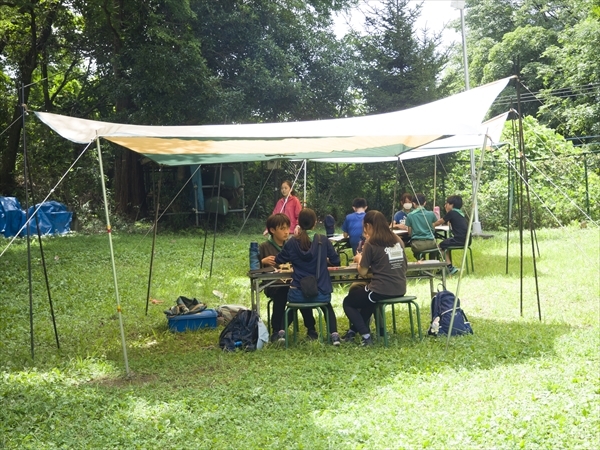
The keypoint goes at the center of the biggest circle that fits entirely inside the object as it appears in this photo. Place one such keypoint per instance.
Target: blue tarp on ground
(53, 218)
(12, 217)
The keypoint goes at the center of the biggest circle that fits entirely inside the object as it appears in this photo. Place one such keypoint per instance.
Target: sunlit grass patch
(517, 382)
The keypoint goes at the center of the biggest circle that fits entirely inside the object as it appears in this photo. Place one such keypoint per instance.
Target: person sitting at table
(302, 251)
(419, 224)
(351, 333)
(279, 231)
(329, 223)
(458, 222)
(383, 255)
(400, 216)
(353, 224)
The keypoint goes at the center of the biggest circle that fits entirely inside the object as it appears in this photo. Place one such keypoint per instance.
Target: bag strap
(318, 238)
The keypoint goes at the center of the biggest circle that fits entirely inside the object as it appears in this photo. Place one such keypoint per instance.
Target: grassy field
(518, 382)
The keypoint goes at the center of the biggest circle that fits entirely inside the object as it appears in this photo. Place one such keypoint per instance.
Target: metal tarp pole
(156, 208)
(435, 180)
(468, 239)
(112, 256)
(305, 169)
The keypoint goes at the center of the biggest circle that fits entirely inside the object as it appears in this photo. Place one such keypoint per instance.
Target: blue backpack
(441, 314)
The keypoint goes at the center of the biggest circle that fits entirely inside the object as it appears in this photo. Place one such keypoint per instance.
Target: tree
(510, 37)
(148, 69)
(398, 69)
(35, 36)
(555, 175)
(274, 61)
(572, 79)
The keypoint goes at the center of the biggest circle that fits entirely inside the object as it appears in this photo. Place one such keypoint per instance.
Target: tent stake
(112, 256)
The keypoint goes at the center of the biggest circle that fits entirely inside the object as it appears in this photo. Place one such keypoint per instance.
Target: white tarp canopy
(375, 136)
(492, 129)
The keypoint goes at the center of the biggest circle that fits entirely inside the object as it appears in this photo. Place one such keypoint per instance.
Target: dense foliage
(234, 61)
(557, 174)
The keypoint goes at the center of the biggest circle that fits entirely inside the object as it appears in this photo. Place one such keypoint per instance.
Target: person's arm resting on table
(439, 222)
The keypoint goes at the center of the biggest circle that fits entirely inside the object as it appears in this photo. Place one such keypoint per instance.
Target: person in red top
(288, 205)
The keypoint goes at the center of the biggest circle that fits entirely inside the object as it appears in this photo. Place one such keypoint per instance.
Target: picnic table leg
(443, 278)
(254, 296)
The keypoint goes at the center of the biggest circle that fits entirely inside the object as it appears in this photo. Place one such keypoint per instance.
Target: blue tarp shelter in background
(53, 218)
(12, 217)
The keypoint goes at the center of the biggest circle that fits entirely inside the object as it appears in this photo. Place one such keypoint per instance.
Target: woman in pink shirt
(288, 204)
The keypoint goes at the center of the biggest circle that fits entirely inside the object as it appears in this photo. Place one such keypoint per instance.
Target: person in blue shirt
(353, 224)
(302, 251)
(400, 216)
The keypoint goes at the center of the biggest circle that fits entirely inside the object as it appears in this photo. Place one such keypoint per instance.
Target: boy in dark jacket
(302, 251)
(278, 226)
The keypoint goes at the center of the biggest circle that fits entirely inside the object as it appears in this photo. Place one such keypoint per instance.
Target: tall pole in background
(460, 5)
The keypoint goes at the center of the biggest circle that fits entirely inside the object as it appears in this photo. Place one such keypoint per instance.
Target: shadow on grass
(278, 395)
(494, 343)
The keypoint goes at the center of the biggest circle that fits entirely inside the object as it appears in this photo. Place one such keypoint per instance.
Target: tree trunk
(38, 36)
(8, 182)
(129, 189)
(130, 192)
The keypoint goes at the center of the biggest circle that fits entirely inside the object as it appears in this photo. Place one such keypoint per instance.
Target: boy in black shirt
(458, 223)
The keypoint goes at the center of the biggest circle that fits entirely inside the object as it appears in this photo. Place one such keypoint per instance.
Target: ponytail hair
(306, 220)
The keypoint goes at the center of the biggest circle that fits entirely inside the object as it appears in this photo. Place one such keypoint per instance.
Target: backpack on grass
(184, 305)
(228, 312)
(441, 315)
(241, 332)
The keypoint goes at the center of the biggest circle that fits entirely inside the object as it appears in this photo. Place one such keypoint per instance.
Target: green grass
(516, 383)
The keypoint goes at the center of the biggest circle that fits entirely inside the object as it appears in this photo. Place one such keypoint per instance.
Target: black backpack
(441, 314)
(241, 332)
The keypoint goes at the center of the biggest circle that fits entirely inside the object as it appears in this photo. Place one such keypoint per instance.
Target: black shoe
(335, 339)
(349, 336)
(366, 342)
(281, 336)
(278, 337)
(312, 335)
